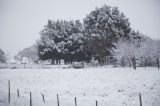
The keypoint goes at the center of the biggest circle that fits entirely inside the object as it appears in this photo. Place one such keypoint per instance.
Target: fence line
(58, 100)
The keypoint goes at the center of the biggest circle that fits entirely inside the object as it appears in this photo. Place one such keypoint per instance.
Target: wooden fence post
(96, 103)
(9, 96)
(75, 101)
(140, 99)
(43, 98)
(30, 99)
(57, 100)
(18, 93)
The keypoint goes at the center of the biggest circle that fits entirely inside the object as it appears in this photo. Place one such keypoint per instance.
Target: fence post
(30, 99)
(57, 100)
(43, 98)
(18, 93)
(75, 101)
(9, 96)
(140, 99)
(96, 103)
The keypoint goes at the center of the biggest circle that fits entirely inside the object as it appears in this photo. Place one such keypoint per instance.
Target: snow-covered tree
(151, 48)
(30, 53)
(127, 50)
(2, 57)
(74, 41)
(103, 27)
(61, 40)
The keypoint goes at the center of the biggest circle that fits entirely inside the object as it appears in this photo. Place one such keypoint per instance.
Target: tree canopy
(103, 27)
(61, 40)
(76, 41)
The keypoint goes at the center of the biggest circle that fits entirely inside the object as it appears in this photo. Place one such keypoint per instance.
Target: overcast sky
(22, 20)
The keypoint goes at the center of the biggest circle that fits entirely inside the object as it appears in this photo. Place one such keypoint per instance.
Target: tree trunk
(157, 63)
(53, 61)
(145, 63)
(59, 61)
(6, 65)
(129, 63)
(122, 62)
(134, 63)
(56, 61)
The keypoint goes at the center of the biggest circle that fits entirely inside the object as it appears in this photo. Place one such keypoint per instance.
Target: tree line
(104, 32)
(75, 41)
(144, 53)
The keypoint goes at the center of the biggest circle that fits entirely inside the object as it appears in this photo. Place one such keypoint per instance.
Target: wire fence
(32, 100)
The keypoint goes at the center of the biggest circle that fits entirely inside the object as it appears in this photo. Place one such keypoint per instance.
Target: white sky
(22, 20)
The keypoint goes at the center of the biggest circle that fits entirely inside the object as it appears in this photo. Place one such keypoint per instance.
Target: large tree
(103, 27)
(61, 40)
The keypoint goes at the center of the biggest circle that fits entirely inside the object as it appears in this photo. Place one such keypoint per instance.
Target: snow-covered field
(109, 86)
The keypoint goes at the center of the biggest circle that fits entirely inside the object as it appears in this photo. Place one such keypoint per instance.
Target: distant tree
(103, 27)
(30, 53)
(2, 56)
(7, 58)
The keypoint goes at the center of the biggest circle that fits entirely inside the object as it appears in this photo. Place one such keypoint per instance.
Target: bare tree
(127, 50)
(151, 48)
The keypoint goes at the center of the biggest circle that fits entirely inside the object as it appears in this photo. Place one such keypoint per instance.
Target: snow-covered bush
(78, 65)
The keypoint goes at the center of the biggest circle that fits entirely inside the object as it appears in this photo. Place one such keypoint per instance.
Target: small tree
(7, 58)
(30, 53)
(127, 50)
(151, 48)
(2, 56)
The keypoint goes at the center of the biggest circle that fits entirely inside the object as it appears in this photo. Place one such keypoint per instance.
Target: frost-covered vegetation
(74, 41)
(105, 35)
(96, 46)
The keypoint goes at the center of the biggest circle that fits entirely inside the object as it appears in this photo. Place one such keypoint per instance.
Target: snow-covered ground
(109, 86)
